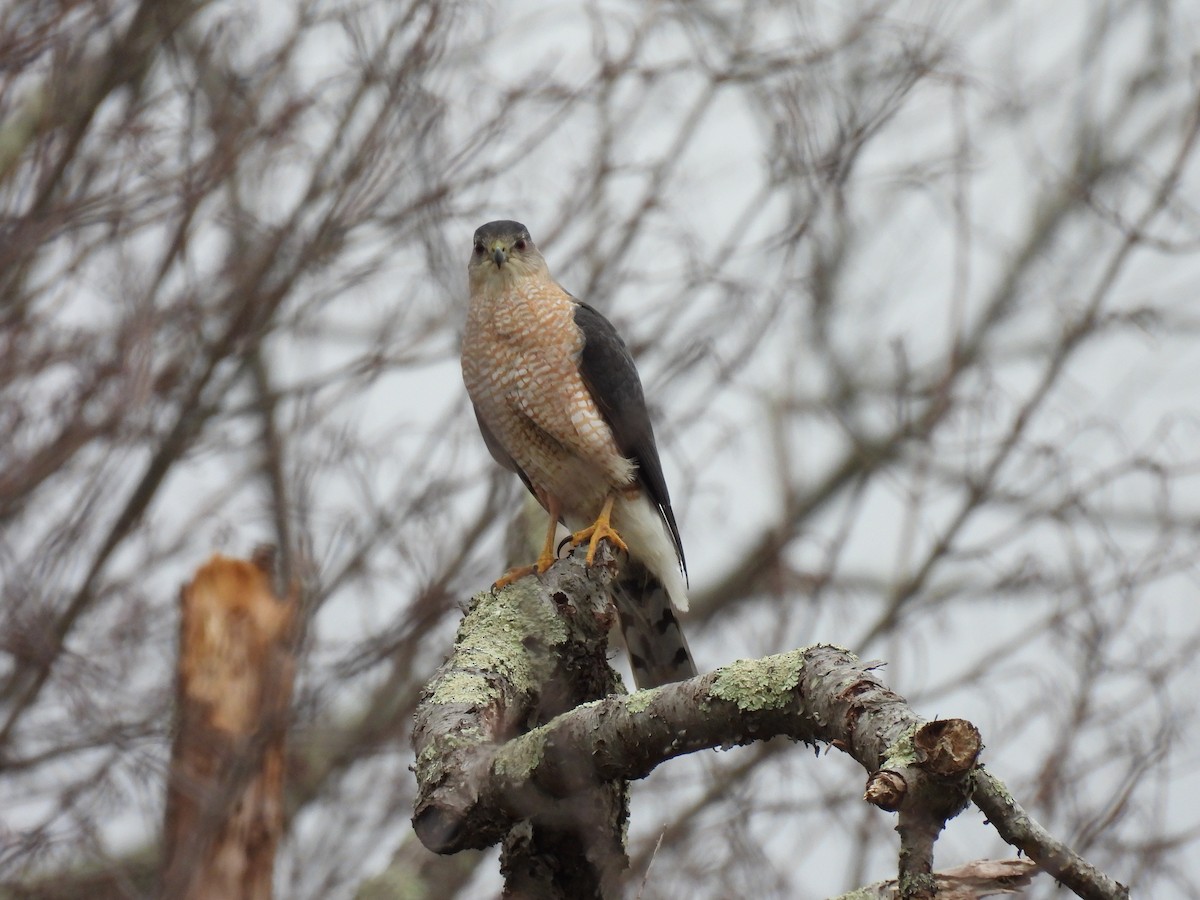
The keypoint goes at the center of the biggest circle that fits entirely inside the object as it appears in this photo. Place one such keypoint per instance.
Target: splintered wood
(224, 798)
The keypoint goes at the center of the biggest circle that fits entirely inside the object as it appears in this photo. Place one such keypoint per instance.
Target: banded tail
(658, 651)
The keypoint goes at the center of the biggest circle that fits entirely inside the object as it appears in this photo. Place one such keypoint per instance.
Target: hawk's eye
(478, 248)
(521, 244)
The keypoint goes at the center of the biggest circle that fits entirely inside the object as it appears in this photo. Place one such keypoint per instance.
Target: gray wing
(498, 452)
(612, 379)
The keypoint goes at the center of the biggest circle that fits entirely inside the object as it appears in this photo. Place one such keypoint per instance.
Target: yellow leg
(598, 531)
(545, 559)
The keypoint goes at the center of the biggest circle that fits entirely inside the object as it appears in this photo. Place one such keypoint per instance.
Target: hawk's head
(502, 251)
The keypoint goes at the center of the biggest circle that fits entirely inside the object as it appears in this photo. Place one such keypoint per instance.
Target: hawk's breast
(520, 364)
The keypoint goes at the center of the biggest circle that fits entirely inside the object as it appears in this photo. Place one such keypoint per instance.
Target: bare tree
(910, 289)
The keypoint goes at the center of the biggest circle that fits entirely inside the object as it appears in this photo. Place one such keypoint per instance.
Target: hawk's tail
(658, 651)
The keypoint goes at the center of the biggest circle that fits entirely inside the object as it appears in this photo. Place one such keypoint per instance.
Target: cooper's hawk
(559, 402)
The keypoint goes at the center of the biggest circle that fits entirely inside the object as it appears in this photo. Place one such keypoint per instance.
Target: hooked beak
(498, 254)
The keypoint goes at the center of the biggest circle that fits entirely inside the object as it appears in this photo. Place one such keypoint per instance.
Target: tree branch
(1018, 828)
(982, 878)
(523, 656)
(494, 762)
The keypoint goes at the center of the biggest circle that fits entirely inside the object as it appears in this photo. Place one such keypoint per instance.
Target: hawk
(559, 402)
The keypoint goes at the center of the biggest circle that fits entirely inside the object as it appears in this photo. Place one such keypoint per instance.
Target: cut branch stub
(926, 778)
(938, 755)
(947, 748)
(886, 789)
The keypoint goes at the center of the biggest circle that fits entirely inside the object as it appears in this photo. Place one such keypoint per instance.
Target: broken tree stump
(224, 811)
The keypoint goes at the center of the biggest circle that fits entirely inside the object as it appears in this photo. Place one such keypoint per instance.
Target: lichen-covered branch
(521, 729)
(508, 746)
(523, 656)
(820, 694)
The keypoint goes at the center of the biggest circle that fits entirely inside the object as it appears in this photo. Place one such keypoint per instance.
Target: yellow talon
(544, 561)
(598, 531)
(514, 574)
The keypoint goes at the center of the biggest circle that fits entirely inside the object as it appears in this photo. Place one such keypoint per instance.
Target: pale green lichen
(922, 883)
(460, 686)
(864, 893)
(493, 639)
(639, 701)
(517, 760)
(901, 753)
(433, 756)
(755, 685)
